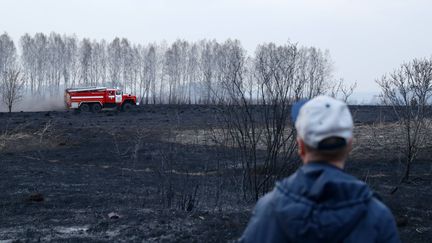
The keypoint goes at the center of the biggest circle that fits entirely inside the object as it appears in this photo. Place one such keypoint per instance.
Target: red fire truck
(96, 98)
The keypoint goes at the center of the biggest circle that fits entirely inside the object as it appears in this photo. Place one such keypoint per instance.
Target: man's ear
(301, 147)
(350, 145)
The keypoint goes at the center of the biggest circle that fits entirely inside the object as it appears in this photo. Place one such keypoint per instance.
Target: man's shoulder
(276, 198)
(264, 225)
(379, 216)
(266, 203)
(378, 209)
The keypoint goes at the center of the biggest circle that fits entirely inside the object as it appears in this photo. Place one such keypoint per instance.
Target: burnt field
(155, 174)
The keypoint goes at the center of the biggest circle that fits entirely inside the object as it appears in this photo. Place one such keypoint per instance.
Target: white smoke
(37, 103)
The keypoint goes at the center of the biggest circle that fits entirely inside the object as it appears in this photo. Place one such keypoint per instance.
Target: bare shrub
(408, 90)
(11, 88)
(177, 188)
(19, 138)
(42, 133)
(188, 198)
(166, 175)
(128, 153)
(262, 133)
(341, 91)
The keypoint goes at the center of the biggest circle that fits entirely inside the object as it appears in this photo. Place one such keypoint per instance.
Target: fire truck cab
(97, 98)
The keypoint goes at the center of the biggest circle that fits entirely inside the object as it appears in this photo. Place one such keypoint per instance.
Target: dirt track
(138, 166)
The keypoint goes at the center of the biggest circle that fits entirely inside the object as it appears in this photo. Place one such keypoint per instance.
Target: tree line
(212, 72)
(183, 72)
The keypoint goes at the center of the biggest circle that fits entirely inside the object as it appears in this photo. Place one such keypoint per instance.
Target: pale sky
(366, 38)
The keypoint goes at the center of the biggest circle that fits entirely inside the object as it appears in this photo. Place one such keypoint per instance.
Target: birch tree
(114, 62)
(8, 55)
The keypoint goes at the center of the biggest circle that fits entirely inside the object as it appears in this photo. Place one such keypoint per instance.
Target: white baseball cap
(320, 118)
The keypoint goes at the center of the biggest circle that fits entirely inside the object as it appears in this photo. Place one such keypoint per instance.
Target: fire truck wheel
(127, 107)
(84, 107)
(96, 107)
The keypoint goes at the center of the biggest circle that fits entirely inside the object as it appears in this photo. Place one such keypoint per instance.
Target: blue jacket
(320, 203)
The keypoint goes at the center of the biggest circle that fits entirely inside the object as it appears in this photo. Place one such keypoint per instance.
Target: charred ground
(153, 174)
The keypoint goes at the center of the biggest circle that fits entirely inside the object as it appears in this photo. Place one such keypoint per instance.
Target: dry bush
(19, 139)
(386, 142)
(256, 117)
(11, 88)
(408, 90)
(180, 189)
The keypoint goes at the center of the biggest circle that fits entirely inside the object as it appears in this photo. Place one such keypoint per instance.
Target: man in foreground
(320, 202)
